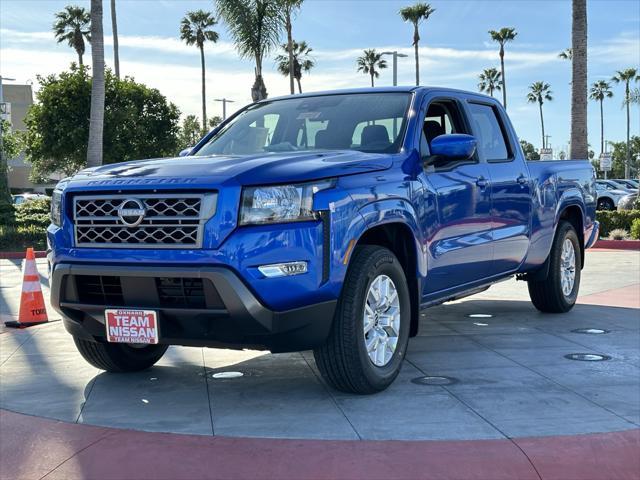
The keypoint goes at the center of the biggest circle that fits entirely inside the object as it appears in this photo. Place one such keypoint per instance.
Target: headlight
(56, 203)
(283, 203)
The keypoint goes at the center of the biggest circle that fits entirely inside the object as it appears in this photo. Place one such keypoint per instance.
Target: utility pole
(546, 141)
(224, 106)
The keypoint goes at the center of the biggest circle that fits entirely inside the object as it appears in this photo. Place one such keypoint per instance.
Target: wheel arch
(400, 238)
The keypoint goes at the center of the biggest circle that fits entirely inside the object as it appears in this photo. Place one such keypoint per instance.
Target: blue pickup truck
(324, 222)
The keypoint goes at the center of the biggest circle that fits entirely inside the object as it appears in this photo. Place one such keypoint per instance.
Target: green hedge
(635, 229)
(610, 220)
(29, 229)
(17, 239)
(34, 213)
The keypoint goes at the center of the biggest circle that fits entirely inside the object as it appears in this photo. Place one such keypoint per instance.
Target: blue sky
(455, 47)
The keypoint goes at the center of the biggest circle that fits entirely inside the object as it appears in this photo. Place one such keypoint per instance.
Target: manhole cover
(587, 357)
(480, 315)
(227, 375)
(590, 331)
(434, 380)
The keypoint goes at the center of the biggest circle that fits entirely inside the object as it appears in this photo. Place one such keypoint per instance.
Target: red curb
(33, 447)
(20, 255)
(617, 244)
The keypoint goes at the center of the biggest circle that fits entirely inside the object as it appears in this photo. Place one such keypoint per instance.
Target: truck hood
(267, 168)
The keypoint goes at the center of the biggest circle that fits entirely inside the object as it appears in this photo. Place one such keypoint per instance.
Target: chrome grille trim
(171, 220)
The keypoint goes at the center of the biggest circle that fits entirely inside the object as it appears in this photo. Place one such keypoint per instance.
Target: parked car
(628, 183)
(608, 195)
(616, 185)
(26, 197)
(629, 202)
(320, 221)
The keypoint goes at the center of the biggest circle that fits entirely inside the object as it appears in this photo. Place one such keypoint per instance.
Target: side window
(491, 142)
(442, 118)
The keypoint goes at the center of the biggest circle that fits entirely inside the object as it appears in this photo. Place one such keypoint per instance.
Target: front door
(459, 234)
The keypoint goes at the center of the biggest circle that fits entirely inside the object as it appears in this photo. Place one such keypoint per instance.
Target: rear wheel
(605, 204)
(370, 330)
(119, 357)
(558, 293)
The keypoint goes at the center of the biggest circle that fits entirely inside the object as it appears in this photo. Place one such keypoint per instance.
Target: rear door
(510, 185)
(459, 237)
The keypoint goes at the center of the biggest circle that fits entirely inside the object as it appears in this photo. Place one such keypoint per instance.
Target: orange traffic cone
(32, 309)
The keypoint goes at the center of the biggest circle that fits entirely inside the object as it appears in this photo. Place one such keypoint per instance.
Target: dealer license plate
(131, 326)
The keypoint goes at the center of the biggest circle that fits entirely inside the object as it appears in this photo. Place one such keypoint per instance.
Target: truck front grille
(142, 220)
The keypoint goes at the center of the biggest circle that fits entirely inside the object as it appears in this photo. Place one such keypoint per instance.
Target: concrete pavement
(512, 405)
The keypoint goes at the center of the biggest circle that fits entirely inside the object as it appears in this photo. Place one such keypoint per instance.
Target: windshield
(369, 122)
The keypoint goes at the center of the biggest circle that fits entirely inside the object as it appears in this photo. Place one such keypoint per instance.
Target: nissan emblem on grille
(143, 220)
(131, 212)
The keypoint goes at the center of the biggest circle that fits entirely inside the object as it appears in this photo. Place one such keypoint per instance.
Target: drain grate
(434, 380)
(587, 357)
(591, 331)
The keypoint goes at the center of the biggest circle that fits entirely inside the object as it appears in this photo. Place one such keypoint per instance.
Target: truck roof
(401, 89)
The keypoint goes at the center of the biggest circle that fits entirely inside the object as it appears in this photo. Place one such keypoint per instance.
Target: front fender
(396, 210)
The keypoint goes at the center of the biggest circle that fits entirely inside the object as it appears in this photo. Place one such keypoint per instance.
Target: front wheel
(558, 293)
(370, 330)
(119, 357)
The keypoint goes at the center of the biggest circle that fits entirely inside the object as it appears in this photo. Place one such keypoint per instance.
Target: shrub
(635, 229)
(16, 239)
(34, 213)
(618, 234)
(610, 220)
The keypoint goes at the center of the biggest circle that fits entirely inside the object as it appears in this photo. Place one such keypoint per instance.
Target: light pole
(396, 55)
(224, 106)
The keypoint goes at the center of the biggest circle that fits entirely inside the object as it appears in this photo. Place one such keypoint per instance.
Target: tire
(117, 357)
(548, 295)
(605, 204)
(343, 360)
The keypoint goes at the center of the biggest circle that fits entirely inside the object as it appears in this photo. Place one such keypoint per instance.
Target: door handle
(482, 182)
(522, 180)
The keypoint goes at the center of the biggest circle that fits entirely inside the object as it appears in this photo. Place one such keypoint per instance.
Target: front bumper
(227, 313)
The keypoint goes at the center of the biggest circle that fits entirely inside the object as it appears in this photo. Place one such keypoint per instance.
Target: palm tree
(599, 91)
(195, 30)
(255, 27)
(627, 76)
(96, 115)
(368, 63)
(73, 26)
(579, 89)
(114, 29)
(415, 14)
(302, 61)
(538, 93)
(503, 36)
(288, 8)
(489, 81)
(566, 54)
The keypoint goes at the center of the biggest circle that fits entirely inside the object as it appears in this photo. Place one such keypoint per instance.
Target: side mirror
(451, 147)
(186, 152)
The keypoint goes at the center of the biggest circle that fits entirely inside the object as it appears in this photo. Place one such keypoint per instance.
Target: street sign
(546, 154)
(5, 111)
(605, 162)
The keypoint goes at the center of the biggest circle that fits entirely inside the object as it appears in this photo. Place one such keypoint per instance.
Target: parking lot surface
(504, 368)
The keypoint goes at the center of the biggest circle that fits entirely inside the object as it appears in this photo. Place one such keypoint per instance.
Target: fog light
(283, 269)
